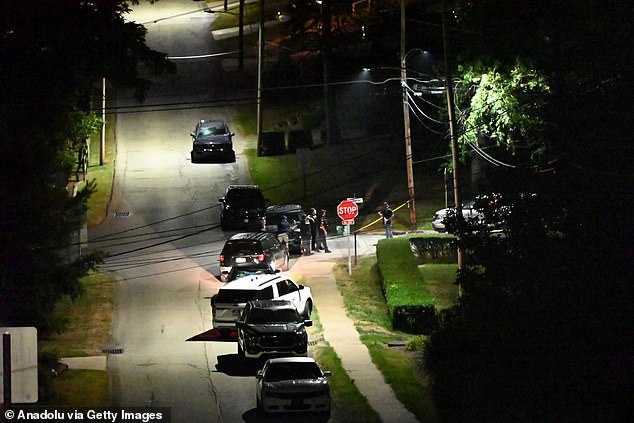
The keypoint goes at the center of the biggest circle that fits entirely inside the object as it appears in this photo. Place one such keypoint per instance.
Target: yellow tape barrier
(380, 218)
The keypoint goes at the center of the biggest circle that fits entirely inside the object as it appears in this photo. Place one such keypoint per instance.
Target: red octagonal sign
(347, 210)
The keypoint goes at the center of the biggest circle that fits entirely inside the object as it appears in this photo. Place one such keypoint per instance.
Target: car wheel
(194, 157)
(240, 351)
(231, 156)
(308, 309)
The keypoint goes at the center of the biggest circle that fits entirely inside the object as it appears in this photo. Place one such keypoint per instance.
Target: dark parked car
(292, 384)
(253, 247)
(272, 327)
(293, 213)
(243, 207)
(212, 139)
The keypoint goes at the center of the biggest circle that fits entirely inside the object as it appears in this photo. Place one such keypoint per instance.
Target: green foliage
(538, 334)
(45, 86)
(410, 304)
(345, 395)
(506, 106)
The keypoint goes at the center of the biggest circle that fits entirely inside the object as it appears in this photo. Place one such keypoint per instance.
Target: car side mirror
(259, 374)
(193, 135)
(232, 134)
(327, 373)
(300, 286)
(221, 199)
(239, 324)
(308, 323)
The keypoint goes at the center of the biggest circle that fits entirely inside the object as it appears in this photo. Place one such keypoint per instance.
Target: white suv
(227, 305)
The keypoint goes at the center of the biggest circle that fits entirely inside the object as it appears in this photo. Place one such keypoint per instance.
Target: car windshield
(241, 273)
(289, 371)
(241, 248)
(245, 198)
(260, 316)
(235, 295)
(209, 131)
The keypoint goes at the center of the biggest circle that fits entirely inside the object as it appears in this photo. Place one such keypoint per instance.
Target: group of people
(314, 229)
(314, 232)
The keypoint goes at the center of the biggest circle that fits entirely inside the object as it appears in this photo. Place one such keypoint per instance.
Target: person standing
(283, 229)
(305, 233)
(314, 228)
(387, 215)
(322, 243)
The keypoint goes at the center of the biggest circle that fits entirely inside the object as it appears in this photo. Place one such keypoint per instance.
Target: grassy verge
(88, 319)
(79, 388)
(346, 397)
(438, 278)
(101, 174)
(365, 304)
(88, 328)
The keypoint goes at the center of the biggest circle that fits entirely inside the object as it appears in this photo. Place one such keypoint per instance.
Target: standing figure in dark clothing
(387, 215)
(322, 244)
(305, 232)
(283, 229)
(314, 228)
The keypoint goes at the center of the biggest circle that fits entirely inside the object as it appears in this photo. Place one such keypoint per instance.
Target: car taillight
(261, 257)
(222, 259)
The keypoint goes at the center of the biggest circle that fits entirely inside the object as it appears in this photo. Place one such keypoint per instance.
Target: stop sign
(347, 210)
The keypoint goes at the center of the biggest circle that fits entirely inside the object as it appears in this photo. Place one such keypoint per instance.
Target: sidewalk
(339, 329)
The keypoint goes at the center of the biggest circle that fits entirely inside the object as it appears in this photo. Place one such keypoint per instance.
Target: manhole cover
(122, 214)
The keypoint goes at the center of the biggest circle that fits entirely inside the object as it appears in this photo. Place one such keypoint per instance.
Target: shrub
(410, 304)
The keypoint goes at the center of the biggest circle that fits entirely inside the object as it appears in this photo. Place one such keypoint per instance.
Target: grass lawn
(89, 319)
(365, 304)
(79, 388)
(89, 327)
(436, 277)
(101, 174)
(346, 397)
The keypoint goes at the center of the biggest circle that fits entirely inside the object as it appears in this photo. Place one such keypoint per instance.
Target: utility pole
(406, 122)
(102, 143)
(240, 35)
(452, 133)
(260, 64)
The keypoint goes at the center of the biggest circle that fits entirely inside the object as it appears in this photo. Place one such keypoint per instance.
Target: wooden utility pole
(407, 128)
(260, 65)
(452, 133)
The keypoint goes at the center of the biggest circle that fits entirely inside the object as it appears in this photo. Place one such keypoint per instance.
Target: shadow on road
(256, 416)
(234, 365)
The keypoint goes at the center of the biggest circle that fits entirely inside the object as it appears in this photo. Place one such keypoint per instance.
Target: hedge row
(410, 305)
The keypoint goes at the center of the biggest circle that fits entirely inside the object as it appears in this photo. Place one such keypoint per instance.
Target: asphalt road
(164, 242)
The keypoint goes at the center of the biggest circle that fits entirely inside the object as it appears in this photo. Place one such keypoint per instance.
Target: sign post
(347, 210)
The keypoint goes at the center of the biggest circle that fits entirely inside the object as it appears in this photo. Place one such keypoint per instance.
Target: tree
(543, 331)
(50, 57)
(577, 55)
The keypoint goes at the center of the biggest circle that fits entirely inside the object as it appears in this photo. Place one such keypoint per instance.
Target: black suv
(243, 206)
(272, 327)
(212, 138)
(253, 247)
(293, 213)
